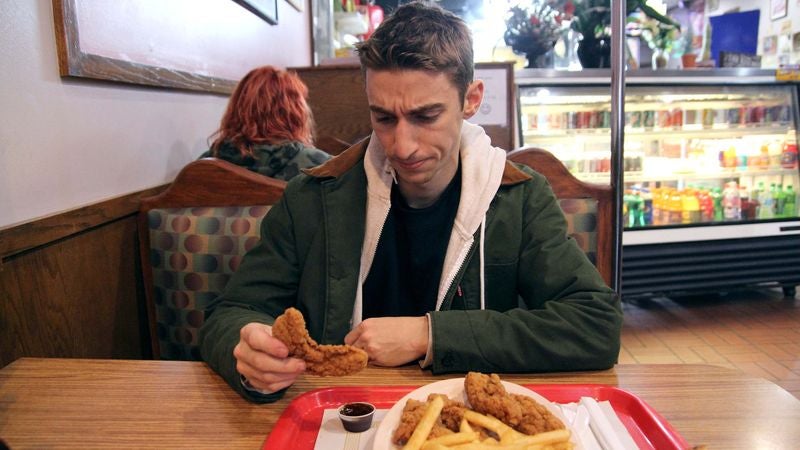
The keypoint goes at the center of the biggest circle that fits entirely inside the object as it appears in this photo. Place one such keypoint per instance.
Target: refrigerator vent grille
(723, 265)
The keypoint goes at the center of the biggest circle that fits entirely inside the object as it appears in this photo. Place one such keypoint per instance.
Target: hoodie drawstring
(480, 252)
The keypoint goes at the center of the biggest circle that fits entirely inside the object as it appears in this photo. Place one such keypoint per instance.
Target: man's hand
(263, 359)
(391, 341)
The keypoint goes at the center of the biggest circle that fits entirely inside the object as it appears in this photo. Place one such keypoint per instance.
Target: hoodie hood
(482, 169)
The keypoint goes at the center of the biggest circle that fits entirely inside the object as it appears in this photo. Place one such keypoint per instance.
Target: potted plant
(592, 18)
(661, 38)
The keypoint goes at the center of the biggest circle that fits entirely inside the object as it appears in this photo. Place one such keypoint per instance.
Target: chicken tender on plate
(323, 360)
(446, 423)
(487, 395)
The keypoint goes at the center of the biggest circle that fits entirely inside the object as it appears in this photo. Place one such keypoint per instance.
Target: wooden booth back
(587, 207)
(192, 238)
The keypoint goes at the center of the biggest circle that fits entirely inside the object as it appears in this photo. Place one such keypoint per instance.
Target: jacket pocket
(500, 286)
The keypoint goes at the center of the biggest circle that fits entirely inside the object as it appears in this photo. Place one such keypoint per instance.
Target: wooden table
(47, 403)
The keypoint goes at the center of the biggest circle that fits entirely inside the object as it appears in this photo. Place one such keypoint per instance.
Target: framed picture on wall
(296, 4)
(777, 8)
(266, 9)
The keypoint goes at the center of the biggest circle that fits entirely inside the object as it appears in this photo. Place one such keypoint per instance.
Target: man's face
(417, 117)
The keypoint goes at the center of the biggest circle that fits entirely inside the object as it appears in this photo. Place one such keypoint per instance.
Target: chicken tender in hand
(322, 360)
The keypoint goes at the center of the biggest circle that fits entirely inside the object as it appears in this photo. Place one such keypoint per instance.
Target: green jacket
(546, 306)
(283, 161)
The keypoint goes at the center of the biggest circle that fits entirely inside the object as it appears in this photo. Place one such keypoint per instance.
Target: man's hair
(268, 106)
(421, 36)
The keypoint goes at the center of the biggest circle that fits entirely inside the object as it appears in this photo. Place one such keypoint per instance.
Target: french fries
(451, 440)
(423, 429)
(469, 438)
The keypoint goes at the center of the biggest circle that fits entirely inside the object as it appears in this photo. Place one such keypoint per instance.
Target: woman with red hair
(268, 127)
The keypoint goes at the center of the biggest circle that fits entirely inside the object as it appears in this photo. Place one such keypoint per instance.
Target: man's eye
(427, 118)
(384, 119)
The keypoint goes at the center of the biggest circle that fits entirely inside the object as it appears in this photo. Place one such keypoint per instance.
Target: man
(419, 244)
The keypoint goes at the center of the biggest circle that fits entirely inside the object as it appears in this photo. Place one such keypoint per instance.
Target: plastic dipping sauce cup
(356, 417)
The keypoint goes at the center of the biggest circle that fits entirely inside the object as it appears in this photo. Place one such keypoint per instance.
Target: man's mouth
(409, 165)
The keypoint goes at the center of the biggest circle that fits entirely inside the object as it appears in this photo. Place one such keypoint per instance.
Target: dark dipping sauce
(356, 409)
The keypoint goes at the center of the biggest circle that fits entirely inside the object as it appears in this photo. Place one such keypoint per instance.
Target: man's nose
(405, 140)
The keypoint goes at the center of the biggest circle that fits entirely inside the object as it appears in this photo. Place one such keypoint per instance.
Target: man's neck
(419, 197)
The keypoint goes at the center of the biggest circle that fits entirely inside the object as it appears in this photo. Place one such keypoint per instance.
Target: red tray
(298, 425)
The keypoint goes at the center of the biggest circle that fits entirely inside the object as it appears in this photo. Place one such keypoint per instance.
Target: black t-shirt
(404, 277)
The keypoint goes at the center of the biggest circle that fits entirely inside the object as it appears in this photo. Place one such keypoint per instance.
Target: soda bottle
(666, 206)
(790, 204)
(779, 197)
(647, 210)
(731, 203)
(626, 208)
(675, 207)
(775, 154)
(633, 207)
(637, 209)
(748, 206)
(691, 207)
(706, 205)
(767, 208)
(655, 217)
(789, 153)
(757, 196)
(716, 198)
(729, 157)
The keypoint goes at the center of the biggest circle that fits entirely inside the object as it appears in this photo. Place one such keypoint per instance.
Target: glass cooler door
(693, 154)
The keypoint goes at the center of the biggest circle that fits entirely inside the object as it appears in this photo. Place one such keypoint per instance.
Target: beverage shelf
(636, 177)
(637, 134)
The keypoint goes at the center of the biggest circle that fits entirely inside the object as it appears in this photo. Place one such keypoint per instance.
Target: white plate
(454, 389)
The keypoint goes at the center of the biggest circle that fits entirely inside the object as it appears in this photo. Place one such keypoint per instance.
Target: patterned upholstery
(581, 214)
(193, 252)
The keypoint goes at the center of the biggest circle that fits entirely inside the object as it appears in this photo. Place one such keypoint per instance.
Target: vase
(595, 53)
(540, 60)
(660, 59)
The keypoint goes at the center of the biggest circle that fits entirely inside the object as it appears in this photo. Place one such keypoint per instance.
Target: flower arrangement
(532, 28)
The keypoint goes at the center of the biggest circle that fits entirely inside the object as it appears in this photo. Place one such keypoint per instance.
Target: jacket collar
(341, 163)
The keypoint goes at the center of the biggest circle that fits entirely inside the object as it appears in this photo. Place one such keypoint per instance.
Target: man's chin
(414, 179)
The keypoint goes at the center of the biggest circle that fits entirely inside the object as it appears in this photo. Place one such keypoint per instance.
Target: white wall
(66, 142)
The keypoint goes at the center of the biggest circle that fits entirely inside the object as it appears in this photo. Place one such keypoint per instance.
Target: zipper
(364, 272)
(459, 274)
(447, 300)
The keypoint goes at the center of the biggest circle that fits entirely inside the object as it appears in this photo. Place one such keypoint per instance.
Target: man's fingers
(269, 382)
(259, 337)
(354, 334)
(265, 362)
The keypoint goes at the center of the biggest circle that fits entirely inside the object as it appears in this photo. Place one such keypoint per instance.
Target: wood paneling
(339, 102)
(38, 232)
(70, 284)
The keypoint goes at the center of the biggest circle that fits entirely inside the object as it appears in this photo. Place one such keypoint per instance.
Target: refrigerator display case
(710, 170)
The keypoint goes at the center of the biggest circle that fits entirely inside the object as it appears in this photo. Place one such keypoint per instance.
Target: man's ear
(473, 98)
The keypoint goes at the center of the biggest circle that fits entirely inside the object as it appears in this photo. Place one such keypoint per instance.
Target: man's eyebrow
(424, 109)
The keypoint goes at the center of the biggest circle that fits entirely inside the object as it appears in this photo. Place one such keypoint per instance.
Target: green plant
(659, 35)
(592, 18)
